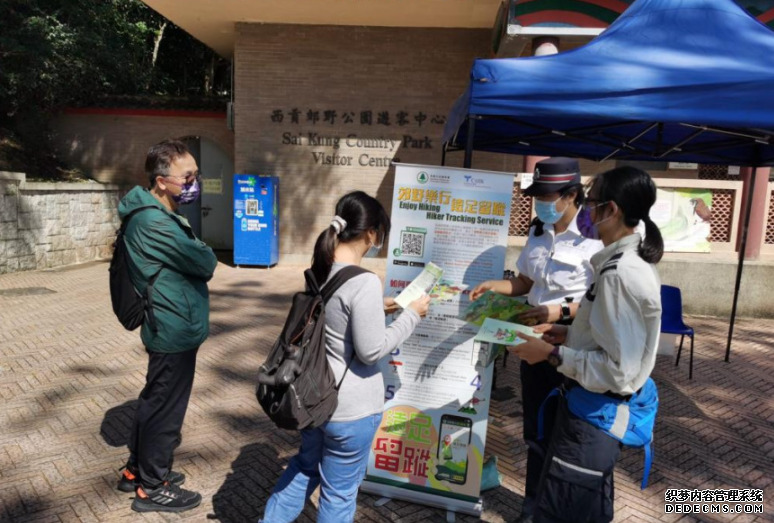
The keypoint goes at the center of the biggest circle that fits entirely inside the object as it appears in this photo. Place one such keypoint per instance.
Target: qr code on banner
(412, 243)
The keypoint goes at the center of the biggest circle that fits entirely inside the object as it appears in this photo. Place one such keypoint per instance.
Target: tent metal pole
(469, 144)
(443, 153)
(742, 249)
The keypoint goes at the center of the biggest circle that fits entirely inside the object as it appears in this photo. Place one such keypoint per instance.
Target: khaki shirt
(612, 344)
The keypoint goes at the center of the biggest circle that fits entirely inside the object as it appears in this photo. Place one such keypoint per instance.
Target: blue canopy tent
(678, 80)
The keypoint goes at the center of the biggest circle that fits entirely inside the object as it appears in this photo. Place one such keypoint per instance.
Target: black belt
(571, 384)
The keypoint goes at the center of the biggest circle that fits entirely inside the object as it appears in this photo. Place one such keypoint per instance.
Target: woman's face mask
(586, 225)
(547, 211)
(374, 250)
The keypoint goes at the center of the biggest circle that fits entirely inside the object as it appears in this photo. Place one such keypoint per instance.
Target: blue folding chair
(672, 321)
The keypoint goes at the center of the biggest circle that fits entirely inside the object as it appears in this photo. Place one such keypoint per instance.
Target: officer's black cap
(553, 175)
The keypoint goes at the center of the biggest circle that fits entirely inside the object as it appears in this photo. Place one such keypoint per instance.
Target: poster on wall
(684, 217)
(430, 446)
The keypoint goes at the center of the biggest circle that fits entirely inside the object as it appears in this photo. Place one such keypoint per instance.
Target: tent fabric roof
(684, 80)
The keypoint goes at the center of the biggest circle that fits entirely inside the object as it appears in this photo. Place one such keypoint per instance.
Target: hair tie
(339, 224)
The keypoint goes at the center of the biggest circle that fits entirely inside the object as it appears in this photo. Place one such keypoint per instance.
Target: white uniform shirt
(559, 265)
(611, 345)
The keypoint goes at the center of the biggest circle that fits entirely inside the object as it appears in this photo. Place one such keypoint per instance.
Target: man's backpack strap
(147, 298)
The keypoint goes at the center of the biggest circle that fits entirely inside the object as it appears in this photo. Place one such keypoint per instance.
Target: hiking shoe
(130, 481)
(166, 498)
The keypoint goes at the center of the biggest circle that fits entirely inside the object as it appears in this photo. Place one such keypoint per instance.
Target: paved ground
(69, 375)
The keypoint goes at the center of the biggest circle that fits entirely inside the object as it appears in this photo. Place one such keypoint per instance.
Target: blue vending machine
(256, 222)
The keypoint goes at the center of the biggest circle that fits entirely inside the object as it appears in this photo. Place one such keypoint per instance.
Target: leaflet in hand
(494, 305)
(503, 332)
(421, 285)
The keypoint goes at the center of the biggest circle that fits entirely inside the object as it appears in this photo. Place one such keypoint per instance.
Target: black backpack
(130, 306)
(296, 386)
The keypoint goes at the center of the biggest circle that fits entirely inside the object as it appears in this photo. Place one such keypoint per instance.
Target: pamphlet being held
(421, 285)
(496, 306)
(502, 332)
(494, 336)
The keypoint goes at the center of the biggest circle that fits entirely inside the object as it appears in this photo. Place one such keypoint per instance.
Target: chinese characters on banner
(430, 446)
(367, 117)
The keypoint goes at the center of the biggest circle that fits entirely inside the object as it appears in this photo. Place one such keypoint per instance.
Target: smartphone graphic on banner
(452, 457)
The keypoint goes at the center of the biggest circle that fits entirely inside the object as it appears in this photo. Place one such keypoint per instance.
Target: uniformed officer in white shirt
(610, 349)
(554, 272)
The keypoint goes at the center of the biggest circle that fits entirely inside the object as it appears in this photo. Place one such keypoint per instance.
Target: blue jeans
(334, 456)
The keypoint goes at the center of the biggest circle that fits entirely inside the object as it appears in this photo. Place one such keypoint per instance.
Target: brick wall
(47, 225)
(406, 72)
(112, 147)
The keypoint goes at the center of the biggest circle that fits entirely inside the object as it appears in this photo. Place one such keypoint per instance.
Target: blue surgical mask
(373, 251)
(547, 212)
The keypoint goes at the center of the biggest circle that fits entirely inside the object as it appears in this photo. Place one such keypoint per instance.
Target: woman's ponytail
(356, 214)
(322, 259)
(652, 247)
(634, 191)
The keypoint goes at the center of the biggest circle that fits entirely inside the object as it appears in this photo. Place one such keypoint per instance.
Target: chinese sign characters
(330, 116)
(357, 147)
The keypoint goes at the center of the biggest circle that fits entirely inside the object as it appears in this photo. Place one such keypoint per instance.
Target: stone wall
(47, 225)
(111, 146)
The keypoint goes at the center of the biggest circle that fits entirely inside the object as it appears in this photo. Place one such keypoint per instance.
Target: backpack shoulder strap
(648, 464)
(339, 279)
(330, 288)
(541, 413)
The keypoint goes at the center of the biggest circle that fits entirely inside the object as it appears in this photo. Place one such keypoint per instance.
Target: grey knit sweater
(354, 326)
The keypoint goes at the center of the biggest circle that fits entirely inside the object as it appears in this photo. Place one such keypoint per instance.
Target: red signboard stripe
(114, 111)
(562, 17)
(767, 17)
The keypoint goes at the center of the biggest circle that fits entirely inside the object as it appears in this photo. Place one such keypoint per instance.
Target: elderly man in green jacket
(167, 259)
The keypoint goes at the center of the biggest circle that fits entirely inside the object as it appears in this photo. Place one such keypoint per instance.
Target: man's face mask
(190, 190)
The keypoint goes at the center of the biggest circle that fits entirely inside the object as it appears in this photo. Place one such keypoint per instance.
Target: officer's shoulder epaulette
(590, 293)
(611, 264)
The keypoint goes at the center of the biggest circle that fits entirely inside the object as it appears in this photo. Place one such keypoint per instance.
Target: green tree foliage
(59, 53)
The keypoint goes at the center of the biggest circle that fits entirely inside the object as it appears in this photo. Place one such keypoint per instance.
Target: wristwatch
(555, 358)
(566, 312)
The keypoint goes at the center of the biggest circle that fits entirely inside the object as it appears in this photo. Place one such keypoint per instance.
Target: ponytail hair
(652, 247)
(634, 191)
(361, 213)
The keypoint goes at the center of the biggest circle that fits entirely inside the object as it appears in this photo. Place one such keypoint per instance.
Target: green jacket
(161, 242)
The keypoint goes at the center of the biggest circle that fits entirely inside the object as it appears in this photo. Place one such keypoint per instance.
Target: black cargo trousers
(158, 421)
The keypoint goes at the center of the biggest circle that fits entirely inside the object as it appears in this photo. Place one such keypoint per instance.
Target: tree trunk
(157, 43)
(209, 77)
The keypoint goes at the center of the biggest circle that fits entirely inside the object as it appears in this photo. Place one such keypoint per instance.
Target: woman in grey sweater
(334, 456)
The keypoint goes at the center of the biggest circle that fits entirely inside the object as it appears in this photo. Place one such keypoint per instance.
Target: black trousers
(160, 414)
(537, 382)
(576, 485)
